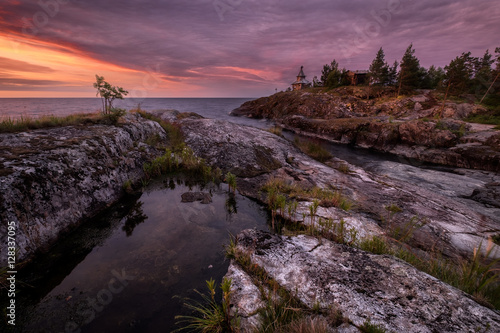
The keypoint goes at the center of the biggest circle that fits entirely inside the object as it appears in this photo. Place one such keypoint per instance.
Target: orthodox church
(301, 81)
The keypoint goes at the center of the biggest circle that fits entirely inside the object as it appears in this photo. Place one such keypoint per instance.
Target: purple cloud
(180, 38)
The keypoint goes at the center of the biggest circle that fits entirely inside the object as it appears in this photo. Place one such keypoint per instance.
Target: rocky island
(337, 259)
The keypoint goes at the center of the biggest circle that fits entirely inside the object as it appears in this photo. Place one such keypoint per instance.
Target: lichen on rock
(364, 287)
(59, 177)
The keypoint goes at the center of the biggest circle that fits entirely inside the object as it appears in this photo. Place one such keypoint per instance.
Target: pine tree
(392, 77)
(379, 70)
(410, 74)
(497, 56)
(327, 72)
(331, 76)
(483, 74)
(434, 78)
(460, 72)
(492, 94)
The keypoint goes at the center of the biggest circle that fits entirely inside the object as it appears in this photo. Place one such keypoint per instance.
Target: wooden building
(301, 81)
(358, 77)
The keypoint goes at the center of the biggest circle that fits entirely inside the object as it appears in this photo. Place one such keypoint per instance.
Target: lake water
(130, 269)
(219, 108)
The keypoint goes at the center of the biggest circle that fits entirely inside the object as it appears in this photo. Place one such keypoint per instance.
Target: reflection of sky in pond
(163, 248)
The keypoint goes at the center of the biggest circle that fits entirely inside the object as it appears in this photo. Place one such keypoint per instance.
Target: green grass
(489, 119)
(25, 123)
(313, 149)
(177, 155)
(173, 130)
(492, 115)
(209, 315)
(478, 275)
(368, 327)
(181, 159)
(326, 197)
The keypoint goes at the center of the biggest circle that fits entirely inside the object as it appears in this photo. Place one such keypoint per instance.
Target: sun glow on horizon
(34, 68)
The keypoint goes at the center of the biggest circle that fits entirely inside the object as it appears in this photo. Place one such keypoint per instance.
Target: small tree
(108, 93)
(379, 70)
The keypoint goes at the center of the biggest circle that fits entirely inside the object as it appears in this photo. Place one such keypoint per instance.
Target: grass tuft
(25, 123)
(209, 315)
(368, 327)
(313, 149)
(276, 130)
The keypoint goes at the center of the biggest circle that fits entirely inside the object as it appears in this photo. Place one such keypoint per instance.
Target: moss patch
(265, 159)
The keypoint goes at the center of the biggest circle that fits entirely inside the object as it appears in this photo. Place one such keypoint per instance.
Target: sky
(223, 48)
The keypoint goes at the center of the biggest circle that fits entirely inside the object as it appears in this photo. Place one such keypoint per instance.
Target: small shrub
(276, 130)
(231, 181)
(375, 245)
(114, 115)
(405, 232)
(496, 239)
(368, 327)
(230, 249)
(127, 186)
(344, 168)
(278, 313)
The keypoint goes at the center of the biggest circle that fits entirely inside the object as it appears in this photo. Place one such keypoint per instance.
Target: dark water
(121, 271)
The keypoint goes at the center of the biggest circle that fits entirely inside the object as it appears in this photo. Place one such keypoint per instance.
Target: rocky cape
(51, 180)
(405, 127)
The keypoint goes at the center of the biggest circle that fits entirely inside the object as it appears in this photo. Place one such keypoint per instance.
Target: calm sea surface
(218, 108)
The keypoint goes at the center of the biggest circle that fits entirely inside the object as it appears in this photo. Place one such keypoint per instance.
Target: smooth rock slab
(379, 288)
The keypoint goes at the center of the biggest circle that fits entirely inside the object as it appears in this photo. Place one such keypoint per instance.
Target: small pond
(129, 269)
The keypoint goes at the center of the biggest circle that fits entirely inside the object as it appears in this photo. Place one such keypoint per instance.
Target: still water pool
(128, 270)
